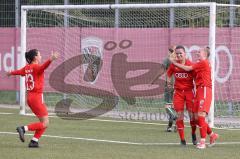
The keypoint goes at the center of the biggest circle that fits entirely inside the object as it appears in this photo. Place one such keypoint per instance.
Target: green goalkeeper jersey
(168, 92)
(166, 64)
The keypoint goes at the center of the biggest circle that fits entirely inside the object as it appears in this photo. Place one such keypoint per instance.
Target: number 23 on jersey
(29, 82)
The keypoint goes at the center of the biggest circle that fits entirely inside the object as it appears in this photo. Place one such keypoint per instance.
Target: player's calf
(194, 139)
(172, 117)
(172, 113)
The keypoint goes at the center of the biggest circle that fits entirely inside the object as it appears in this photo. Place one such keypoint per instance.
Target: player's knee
(191, 115)
(180, 115)
(45, 123)
(195, 116)
(203, 114)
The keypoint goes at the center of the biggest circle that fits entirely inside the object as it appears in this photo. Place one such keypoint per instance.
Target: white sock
(203, 139)
(211, 133)
(35, 139)
(25, 128)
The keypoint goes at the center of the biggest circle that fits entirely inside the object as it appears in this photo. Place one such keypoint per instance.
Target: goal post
(212, 41)
(93, 27)
(23, 61)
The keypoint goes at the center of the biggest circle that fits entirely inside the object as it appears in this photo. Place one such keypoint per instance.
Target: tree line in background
(183, 17)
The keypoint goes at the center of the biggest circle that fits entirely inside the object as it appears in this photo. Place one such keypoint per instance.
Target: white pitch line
(159, 124)
(3, 113)
(104, 120)
(234, 129)
(115, 141)
(131, 122)
(95, 140)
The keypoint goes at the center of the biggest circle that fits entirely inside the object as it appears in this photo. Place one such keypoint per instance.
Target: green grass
(8, 97)
(59, 148)
(141, 105)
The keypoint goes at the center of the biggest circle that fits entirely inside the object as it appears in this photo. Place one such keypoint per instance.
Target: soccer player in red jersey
(34, 81)
(203, 95)
(183, 93)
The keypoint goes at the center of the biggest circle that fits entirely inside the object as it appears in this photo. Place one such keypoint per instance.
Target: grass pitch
(108, 139)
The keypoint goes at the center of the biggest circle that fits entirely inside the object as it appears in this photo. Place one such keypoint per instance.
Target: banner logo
(91, 46)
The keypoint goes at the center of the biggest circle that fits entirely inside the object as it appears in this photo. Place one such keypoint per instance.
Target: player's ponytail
(29, 55)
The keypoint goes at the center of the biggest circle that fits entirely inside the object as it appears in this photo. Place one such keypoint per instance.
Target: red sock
(202, 126)
(180, 127)
(209, 130)
(196, 121)
(38, 133)
(35, 126)
(193, 126)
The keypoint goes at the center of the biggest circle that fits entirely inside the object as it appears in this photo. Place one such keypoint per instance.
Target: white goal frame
(212, 34)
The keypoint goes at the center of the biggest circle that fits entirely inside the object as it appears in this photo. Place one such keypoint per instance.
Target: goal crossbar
(118, 6)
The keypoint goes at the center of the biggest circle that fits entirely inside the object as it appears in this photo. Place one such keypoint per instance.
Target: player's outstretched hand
(54, 56)
(172, 59)
(8, 73)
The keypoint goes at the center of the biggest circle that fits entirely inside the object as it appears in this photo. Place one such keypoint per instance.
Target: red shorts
(181, 97)
(203, 99)
(35, 102)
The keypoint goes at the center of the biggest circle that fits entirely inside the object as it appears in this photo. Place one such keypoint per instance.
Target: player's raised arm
(45, 65)
(54, 56)
(156, 77)
(169, 82)
(184, 67)
(20, 72)
(166, 62)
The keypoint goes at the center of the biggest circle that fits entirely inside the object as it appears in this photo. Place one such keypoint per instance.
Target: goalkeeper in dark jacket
(168, 92)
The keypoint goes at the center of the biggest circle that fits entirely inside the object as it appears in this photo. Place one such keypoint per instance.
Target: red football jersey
(34, 76)
(183, 79)
(203, 73)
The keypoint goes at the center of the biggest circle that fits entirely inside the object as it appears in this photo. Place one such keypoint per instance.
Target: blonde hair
(207, 50)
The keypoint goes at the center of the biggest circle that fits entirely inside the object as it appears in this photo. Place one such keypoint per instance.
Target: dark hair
(180, 47)
(171, 50)
(30, 55)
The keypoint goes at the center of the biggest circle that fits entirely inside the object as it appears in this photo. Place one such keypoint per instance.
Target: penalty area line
(116, 141)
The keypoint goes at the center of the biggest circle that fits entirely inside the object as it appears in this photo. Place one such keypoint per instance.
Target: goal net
(227, 94)
(110, 53)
